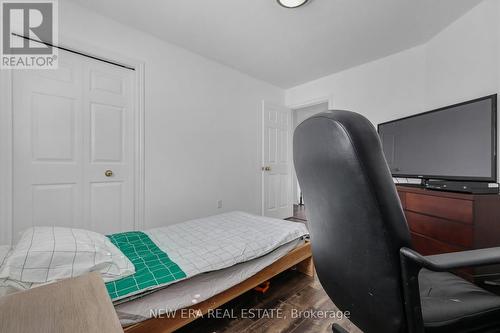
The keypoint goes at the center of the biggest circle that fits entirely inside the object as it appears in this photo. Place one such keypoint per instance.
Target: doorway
(298, 116)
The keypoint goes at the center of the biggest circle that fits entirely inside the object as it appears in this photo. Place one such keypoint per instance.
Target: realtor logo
(29, 31)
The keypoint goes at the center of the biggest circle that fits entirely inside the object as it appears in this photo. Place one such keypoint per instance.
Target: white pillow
(6, 287)
(4, 251)
(45, 254)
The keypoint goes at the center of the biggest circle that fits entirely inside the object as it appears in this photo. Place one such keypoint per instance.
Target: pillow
(45, 254)
(7, 288)
(4, 251)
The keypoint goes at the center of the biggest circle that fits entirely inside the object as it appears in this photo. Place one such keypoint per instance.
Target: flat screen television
(457, 142)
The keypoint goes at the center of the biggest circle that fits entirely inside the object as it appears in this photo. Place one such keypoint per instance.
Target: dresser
(442, 222)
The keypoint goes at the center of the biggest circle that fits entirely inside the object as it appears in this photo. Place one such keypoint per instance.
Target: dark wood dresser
(443, 222)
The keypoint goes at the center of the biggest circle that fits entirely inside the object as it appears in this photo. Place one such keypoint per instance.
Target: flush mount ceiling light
(292, 3)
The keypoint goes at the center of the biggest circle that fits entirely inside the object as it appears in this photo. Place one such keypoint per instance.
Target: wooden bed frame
(300, 257)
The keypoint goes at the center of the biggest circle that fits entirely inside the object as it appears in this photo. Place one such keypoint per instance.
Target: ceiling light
(292, 3)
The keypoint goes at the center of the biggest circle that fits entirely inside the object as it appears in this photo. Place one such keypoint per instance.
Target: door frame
(313, 101)
(6, 135)
(297, 106)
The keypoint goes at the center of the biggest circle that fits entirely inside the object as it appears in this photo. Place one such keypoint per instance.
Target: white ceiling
(282, 46)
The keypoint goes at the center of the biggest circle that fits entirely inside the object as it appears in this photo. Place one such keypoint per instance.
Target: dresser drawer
(428, 246)
(402, 198)
(459, 234)
(447, 208)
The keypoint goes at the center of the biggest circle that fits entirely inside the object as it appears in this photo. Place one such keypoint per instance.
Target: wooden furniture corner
(442, 222)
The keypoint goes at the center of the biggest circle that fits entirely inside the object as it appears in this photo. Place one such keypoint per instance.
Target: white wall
(460, 63)
(202, 122)
(463, 62)
(380, 90)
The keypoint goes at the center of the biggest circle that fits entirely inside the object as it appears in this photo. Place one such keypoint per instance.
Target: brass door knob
(108, 173)
(267, 168)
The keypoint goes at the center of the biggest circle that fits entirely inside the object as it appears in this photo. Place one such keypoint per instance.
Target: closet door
(109, 145)
(71, 125)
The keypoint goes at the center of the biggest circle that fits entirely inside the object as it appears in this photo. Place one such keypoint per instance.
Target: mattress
(220, 241)
(193, 247)
(209, 244)
(197, 289)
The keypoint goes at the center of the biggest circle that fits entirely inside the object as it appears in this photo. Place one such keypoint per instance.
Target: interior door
(73, 146)
(276, 159)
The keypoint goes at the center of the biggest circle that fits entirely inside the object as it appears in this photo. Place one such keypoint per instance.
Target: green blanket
(153, 267)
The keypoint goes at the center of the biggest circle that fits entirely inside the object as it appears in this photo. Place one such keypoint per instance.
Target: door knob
(108, 173)
(267, 168)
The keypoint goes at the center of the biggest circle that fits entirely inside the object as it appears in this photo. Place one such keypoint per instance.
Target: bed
(225, 285)
(197, 265)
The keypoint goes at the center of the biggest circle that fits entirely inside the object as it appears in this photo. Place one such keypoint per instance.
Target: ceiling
(287, 47)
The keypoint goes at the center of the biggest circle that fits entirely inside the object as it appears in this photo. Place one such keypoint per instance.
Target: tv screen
(457, 142)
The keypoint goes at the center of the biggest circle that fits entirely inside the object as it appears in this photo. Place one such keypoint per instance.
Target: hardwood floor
(299, 212)
(291, 293)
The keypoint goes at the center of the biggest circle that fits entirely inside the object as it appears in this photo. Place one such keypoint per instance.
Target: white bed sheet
(220, 241)
(198, 288)
(209, 244)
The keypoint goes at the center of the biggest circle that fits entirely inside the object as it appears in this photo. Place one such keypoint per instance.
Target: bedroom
(172, 106)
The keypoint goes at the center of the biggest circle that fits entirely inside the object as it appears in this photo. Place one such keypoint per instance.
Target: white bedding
(5, 288)
(219, 241)
(46, 254)
(198, 288)
(213, 243)
(4, 250)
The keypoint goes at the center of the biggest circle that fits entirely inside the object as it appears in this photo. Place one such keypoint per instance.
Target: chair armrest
(453, 260)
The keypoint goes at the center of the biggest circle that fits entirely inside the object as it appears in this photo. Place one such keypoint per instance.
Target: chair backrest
(355, 217)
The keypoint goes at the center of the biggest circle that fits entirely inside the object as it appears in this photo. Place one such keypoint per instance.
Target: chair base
(336, 328)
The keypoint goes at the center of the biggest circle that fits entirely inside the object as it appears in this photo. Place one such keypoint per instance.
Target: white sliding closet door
(73, 146)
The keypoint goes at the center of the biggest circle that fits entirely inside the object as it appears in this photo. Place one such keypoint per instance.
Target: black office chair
(361, 243)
